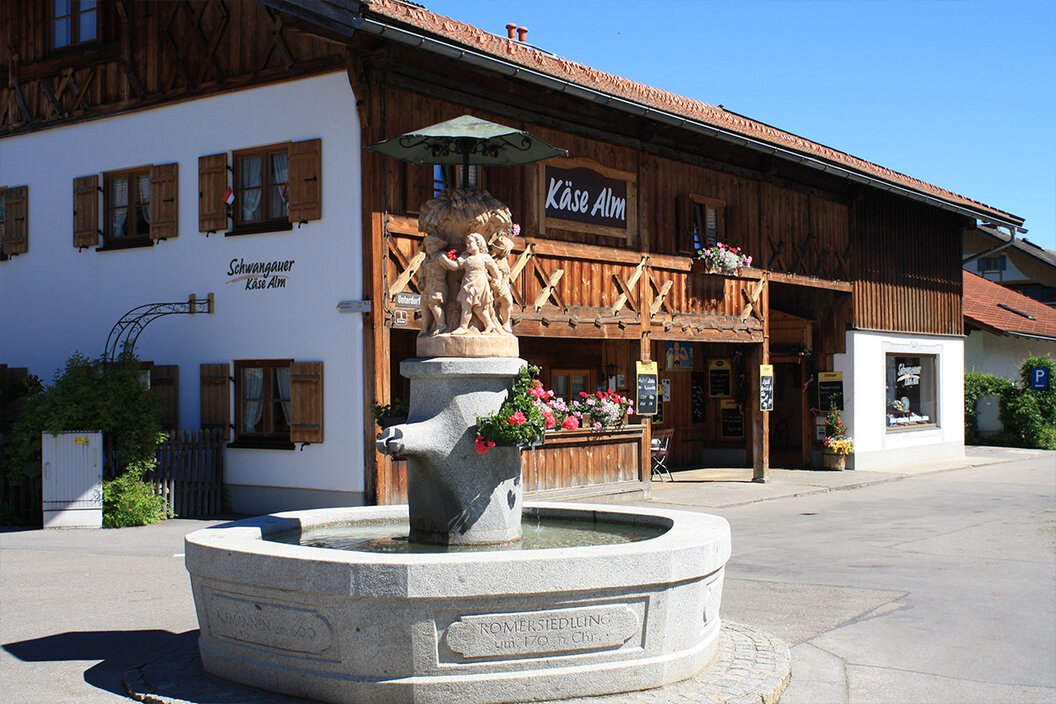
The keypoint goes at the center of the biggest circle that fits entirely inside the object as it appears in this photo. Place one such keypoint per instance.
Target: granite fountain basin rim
(236, 550)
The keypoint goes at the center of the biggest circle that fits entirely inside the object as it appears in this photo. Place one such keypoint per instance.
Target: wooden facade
(829, 253)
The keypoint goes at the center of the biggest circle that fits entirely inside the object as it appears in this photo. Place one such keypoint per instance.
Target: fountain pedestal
(457, 496)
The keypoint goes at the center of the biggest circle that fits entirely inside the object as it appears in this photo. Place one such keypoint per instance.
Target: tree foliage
(89, 394)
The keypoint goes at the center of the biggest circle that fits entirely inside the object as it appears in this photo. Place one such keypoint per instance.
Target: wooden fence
(190, 472)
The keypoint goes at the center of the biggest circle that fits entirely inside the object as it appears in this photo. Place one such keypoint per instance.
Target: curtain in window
(252, 170)
(118, 206)
(278, 177)
(253, 394)
(143, 199)
(282, 378)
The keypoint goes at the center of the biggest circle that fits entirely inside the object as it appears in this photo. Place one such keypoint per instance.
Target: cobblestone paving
(750, 667)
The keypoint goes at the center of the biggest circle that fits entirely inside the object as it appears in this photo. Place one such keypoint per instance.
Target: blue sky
(958, 93)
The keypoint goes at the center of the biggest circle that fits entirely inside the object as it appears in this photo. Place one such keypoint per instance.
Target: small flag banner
(229, 196)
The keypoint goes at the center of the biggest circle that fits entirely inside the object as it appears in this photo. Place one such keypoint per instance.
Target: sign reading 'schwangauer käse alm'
(259, 275)
(579, 194)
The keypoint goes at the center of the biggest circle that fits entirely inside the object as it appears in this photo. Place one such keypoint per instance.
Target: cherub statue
(433, 277)
(501, 247)
(475, 296)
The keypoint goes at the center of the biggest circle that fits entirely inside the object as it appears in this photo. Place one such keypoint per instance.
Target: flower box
(833, 461)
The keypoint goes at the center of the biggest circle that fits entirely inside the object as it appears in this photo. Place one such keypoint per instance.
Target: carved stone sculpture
(501, 247)
(469, 315)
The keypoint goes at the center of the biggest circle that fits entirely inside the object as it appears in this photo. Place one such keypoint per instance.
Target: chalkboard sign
(732, 421)
(830, 391)
(719, 372)
(766, 387)
(647, 388)
(700, 397)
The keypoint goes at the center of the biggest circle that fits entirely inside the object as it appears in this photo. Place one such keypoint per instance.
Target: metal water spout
(455, 495)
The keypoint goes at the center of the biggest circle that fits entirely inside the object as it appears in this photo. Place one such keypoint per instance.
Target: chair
(659, 449)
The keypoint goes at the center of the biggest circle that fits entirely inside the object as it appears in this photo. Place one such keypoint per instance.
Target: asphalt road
(932, 586)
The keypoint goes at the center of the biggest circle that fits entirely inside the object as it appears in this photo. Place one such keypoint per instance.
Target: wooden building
(855, 272)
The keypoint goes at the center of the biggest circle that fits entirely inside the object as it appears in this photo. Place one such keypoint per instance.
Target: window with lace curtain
(127, 198)
(263, 400)
(262, 184)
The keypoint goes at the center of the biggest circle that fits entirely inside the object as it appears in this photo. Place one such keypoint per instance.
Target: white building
(143, 194)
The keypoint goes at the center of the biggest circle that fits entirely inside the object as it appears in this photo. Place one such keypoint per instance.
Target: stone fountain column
(456, 495)
(468, 360)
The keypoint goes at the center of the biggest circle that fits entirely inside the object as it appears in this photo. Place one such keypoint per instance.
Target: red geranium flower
(517, 418)
(452, 254)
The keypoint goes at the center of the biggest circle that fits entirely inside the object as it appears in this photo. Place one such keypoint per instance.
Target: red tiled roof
(981, 306)
(529, 57)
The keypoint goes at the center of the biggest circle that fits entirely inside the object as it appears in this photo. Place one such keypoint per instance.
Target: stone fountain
(439, 622)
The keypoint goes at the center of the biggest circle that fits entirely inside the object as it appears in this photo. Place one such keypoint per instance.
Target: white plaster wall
(875, 447)
(55, 299)
(1002, 355)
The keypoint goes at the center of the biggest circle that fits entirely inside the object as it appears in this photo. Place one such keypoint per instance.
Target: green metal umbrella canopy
(468, 140)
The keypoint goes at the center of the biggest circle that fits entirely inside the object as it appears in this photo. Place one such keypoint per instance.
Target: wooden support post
(761, 426)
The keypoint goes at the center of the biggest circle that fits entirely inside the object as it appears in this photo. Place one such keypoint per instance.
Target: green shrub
(88, 394)
(1028, 414)
(130, 501)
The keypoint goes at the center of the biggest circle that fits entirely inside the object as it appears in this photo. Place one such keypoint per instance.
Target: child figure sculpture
(434, 272)
(501, 248)
(475, 296)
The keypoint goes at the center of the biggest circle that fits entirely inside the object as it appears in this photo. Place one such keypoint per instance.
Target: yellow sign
(766, 370)
(81, 441)
(830, 376)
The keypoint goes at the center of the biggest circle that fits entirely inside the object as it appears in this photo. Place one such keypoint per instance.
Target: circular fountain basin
(490, 626)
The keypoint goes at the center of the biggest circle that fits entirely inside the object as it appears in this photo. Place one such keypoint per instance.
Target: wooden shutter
(16, 221)
(164, 201)
(306, 402)
(212, 184)
(86, 211)
(306, 180)
(215, 382)
(165, 383)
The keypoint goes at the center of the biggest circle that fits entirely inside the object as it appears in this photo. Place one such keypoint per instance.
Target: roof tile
(981, 306)
(586, 77)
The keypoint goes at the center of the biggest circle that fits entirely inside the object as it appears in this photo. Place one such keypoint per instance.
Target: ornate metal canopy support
(127, 329)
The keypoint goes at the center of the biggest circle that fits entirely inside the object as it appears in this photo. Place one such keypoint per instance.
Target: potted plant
(723, 259)
(602, 409)
(837, 444)
(523, 417)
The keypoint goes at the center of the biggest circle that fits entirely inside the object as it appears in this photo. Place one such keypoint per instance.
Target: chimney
(522, 34)
(510, 29)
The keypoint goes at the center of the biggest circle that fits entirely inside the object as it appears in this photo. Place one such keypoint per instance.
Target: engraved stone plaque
(543, 632)
(273, 625)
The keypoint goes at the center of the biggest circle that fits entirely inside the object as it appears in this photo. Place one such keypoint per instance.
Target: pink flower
(570, 423)
(550, 422)
(517, 418)
(482, 445)
(539, 392)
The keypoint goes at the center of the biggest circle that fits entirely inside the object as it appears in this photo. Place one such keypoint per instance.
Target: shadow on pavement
(117, 651)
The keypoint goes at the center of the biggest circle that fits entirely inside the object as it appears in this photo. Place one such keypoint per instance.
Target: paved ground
(933, 584)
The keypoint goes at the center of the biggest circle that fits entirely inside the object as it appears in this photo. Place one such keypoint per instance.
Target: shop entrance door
(786, 420)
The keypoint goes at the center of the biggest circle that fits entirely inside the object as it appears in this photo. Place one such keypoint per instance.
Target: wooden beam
(549, 289)
(812, 281)
(661, 297)
(626, 287)
(406, 274)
